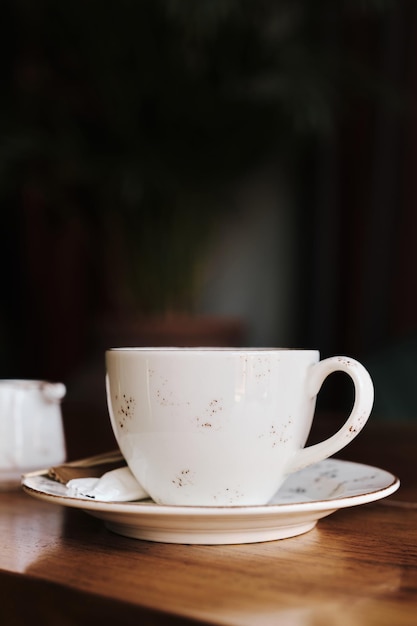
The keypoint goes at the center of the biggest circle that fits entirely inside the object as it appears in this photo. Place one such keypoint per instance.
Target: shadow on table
(40, 602)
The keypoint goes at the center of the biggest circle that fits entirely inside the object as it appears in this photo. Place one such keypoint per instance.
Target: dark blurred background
(209, 173)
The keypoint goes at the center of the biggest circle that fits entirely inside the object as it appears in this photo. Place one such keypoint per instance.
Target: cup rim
(193, 349)
(25, 383)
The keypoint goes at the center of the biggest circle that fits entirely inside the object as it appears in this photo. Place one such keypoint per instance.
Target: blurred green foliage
(136, 114)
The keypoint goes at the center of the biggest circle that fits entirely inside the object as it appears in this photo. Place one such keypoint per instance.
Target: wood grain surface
(357, 567)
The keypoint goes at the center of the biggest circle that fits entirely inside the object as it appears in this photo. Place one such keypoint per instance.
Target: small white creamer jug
(31, 428)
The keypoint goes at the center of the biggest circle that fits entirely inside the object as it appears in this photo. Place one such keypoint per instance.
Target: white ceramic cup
(220, 426)
(31, 428)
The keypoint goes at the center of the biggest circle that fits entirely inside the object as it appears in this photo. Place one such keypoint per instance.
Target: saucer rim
(148, 521)
(148, 507)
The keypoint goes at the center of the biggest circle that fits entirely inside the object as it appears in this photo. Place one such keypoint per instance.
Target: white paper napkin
(117, 485)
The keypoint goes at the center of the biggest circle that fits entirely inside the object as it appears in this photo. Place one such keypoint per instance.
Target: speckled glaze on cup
(219, 426)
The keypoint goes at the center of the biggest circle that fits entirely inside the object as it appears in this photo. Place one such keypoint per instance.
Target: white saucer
(305, 497)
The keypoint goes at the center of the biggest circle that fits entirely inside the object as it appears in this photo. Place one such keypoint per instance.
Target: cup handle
(364, 397)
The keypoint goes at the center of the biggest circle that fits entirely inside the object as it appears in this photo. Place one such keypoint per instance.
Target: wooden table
(357, 567)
